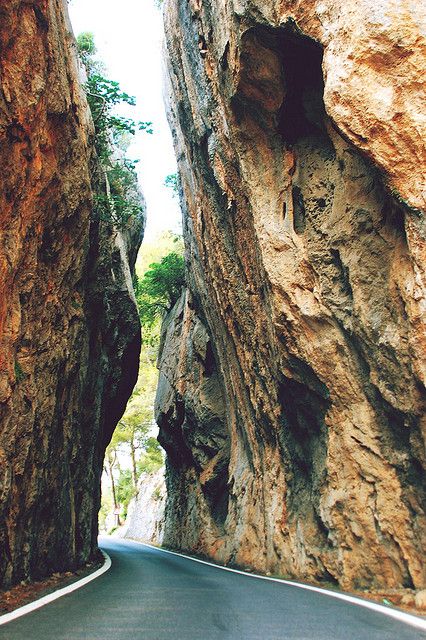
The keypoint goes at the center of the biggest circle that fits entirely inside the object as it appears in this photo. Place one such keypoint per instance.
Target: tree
(106, 508)
(152, 459)
(160, 287)
(133, 429)
(103, 95)
(120, 201)
(132, 437)
(125, 489)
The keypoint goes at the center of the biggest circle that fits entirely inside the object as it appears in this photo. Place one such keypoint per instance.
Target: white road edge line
(402, 616)
(41, 602)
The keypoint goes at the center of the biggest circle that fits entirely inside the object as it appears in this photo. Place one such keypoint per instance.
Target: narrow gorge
(291, 393)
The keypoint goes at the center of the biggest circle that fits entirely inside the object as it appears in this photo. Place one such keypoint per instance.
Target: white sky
(128, 36)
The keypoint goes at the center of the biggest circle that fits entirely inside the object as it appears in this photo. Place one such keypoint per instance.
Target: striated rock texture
(295, 426)
(69, 330)
(145, 514)
(190, 412)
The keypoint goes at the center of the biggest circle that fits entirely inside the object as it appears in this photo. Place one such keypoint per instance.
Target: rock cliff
(145, 514)
(69, 330)
(291, 400)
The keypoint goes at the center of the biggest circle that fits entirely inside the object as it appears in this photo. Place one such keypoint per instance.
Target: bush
(19, 373)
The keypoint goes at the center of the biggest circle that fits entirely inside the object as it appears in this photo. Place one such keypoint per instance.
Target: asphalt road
(152, 595)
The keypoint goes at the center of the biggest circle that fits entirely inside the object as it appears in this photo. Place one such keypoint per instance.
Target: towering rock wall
(69, 331)
(291, 400)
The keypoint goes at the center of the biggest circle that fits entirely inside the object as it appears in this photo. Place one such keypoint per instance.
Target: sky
(128, 35)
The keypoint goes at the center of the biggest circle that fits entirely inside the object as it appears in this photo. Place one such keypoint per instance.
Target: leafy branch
(121, 201)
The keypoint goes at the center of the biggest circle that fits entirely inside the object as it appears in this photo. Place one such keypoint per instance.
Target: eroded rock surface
(190, 411)
(145, 514)
(69, 330)
(298, 128)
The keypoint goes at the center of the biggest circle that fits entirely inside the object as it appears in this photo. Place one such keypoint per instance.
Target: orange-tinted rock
(297, 127)
(69, 331)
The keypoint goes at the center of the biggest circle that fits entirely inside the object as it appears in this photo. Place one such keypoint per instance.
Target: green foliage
(156, 494)
(19, 373)
(125, 489)
(154, 251)
(160, 287)
(172, 182)
(153, 457)
(106, 508)
(86, 44)
(103, 95)
(129, 431)
(120, 202)
(150, 253)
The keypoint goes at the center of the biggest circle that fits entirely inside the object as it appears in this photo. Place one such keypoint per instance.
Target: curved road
(151, 595)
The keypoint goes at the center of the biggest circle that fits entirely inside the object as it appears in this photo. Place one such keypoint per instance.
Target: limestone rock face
(145, 515)
(190, 411)
(298, 128)
(69, 331)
